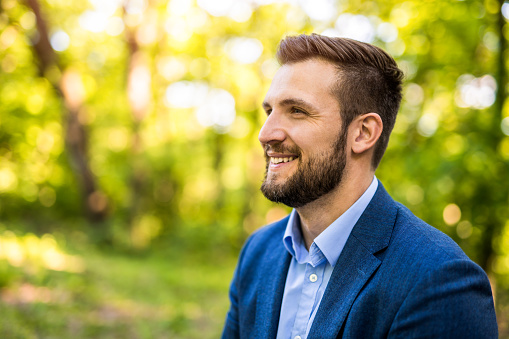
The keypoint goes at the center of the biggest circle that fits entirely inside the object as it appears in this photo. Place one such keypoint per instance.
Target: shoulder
(415, 250)
(419, 240)
(425, 258)
(441, 284)
(433, 280)
(391, 231)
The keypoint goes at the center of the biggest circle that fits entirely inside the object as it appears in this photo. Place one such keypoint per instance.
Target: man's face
(302, 138)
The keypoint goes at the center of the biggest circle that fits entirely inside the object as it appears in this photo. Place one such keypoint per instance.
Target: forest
(130, 164)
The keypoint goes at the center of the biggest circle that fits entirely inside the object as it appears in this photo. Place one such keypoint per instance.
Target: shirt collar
(292, 239)
(330, 242)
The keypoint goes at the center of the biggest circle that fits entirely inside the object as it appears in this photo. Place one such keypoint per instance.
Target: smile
(276, 161)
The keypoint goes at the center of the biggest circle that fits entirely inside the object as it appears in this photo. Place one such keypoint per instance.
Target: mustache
(280, 148)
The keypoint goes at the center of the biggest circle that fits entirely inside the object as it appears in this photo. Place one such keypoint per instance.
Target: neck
(316, 216)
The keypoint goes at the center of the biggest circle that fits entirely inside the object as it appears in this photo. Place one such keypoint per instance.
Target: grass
(171, 295)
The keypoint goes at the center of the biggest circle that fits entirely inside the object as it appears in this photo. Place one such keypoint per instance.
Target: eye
(296, 110)
(268, 111)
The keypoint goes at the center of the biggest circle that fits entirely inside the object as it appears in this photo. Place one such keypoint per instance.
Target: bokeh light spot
(114, 26)
(240, 11)
(27, 20)
(427, 125)
(118, 139)
(454, 144)
(138, 87)
(145, 229)
(505, 10)
(179, 7)
(73, 88)
(451, 214)
(8, 180)
(8, 36)
(504, 125)
(387, 32)
(218, 110)
(34, 103)
(464, 229)
(320, 10)
(356, 27)
(178, 29)
(216, 7)
(45, 142)
(400, 17)
(475, 92)
(135, 6)
(503, 148)
(60, 41)
(244, 50)
(47, 196)
(171, 68)
(148, 33)
(93, 21)
(414, 94)
(186, 94)
(29, 191)
(97, 201)
(415, 194)
(107, 7)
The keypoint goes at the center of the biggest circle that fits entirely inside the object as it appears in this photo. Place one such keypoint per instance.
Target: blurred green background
(130, 165)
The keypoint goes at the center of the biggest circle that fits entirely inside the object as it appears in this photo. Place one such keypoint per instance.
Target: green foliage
(112, 295)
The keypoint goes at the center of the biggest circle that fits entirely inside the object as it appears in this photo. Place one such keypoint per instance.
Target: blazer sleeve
(453, 300)
(231, 328)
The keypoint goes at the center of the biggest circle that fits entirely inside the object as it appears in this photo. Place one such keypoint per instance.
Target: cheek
(319, 139)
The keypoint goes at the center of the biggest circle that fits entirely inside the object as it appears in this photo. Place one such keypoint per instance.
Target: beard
(314, 178)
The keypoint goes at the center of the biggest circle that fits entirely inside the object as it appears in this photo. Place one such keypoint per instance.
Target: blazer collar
(374, 228)
(356, 264)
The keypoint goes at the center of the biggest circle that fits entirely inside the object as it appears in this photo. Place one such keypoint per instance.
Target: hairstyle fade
(369, 79)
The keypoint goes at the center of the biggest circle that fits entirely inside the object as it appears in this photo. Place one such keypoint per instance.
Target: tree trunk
(69, 89)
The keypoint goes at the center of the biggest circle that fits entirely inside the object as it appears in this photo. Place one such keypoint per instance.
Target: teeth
(280, 160)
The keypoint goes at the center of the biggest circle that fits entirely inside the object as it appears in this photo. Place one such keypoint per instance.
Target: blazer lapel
(355, 265)
(270, 291)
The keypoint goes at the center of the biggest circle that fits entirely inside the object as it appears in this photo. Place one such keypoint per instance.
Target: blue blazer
(396, 277)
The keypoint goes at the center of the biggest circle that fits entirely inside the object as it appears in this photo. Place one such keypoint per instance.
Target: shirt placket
(313, 278)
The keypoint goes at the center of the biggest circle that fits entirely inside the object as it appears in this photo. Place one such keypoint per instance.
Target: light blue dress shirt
(309, 272)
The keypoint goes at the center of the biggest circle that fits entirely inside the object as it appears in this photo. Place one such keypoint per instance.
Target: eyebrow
(290, 102)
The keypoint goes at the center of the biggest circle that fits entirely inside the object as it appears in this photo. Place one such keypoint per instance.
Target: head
(324, 87)
(368, 79)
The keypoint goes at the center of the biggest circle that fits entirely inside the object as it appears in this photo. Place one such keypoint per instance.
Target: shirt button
(312, 278)
(297, 337)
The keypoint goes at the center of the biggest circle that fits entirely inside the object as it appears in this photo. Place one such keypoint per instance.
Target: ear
(367, 129)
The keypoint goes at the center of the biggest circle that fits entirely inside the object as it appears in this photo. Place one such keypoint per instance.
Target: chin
(275, 179)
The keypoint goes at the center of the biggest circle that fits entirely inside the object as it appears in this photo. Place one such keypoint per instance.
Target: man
(348, 261)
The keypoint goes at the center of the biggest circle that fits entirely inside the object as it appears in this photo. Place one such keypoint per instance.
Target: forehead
(310, 80)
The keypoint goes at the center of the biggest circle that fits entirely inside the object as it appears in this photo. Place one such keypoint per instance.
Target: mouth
(279, 160)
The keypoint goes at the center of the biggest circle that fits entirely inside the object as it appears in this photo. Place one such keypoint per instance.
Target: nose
(272, 130)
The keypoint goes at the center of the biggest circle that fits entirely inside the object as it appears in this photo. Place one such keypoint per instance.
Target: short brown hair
(369, 79)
